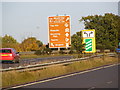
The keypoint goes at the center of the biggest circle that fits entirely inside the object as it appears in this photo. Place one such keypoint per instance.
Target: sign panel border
(93, 41)
(60, 42)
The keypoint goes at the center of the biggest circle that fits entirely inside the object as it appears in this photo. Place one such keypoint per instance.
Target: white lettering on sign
(54, 30)
(55, 36)
(58, 21)
(66, 39)
(67, 30)
(54, 39)
(54, 25)
(52, 44)
(66, 25)
(67, 34)
(59, 44)
(67, 18)
(59, 18)
(50, 20)
(54, 33)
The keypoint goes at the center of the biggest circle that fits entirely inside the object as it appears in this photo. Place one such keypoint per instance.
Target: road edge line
(86, 71)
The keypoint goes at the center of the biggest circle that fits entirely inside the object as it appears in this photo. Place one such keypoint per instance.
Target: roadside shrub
(39, 52)
(61, 52)
(71, 52)
(48, 51)
(43, 51)
(79, 55)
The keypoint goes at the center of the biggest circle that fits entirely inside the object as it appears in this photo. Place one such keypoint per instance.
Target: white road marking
(91, 88)
(109, 82)
(65, 76)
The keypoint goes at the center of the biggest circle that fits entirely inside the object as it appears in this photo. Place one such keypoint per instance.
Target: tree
(31, 44)
(9, 42)
(8, 39)
(0, 42)
(107, 29)
(76, 41)
(43, 50)
(39, 43)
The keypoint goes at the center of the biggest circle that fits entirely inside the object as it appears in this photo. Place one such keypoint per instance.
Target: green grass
(40, 56)
(30, 56)
(16, 78)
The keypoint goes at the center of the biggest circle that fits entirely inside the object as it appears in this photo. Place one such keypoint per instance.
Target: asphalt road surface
(25, 62)
(102, 78)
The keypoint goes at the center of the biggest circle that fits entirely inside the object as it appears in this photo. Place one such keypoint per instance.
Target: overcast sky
(25, 19)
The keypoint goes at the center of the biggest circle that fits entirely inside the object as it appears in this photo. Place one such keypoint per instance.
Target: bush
(38, 52)
(47, 51)
(43, 51)
(61, 52)
(71, 52)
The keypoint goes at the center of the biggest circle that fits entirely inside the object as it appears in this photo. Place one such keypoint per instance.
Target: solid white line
(65, 76)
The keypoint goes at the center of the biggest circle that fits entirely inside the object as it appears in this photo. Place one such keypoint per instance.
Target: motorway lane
(103, 78)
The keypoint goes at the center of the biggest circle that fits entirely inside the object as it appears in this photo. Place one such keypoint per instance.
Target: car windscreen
(5, 51)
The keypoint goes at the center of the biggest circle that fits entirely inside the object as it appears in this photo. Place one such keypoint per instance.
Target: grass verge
(15, 78)
(29, 56)
(40, 56)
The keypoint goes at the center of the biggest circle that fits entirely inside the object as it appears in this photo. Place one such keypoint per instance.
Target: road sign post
(89, 40)
(59, 32)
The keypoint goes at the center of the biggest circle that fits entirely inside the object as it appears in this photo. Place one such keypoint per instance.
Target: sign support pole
(58, 48)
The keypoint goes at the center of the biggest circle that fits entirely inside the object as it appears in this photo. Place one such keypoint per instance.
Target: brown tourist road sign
(59, 31)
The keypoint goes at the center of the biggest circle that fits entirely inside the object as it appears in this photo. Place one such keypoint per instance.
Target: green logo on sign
(88, 46)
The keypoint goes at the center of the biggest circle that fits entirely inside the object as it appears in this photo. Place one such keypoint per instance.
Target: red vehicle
(9, 54)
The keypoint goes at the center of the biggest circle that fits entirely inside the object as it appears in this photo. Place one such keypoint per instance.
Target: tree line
(29, 44)
(107, 35)
(107, 30)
